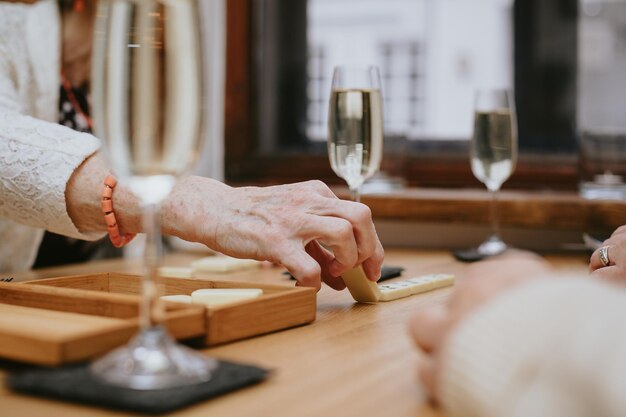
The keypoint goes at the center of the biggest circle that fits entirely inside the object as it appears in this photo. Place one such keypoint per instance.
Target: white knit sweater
(37, 156)
(555, 348)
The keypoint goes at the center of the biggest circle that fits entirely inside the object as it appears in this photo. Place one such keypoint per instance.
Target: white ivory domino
(179, 298)
(222, 264)
(400, 289)
(362, 289)
(365, 291)
(212, 297)
(175, 271)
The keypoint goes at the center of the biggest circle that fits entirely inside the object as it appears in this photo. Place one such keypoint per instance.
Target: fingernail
(375, 276)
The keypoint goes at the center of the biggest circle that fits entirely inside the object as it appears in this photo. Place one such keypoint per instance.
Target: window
(602, 63)
(432, 55)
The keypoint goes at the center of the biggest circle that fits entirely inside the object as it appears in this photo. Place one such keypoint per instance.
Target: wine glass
(355, 125)
(148, 91)
(493, 153)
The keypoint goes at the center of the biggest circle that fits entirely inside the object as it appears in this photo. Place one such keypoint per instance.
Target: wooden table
(354, 360)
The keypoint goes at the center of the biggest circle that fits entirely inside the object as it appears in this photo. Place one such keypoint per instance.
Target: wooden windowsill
(560, 210)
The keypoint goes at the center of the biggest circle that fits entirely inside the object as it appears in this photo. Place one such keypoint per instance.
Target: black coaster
(76, 384)
(468, 255)
(386, 272)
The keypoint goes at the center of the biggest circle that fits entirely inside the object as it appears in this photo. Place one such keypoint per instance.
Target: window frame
(424, 163)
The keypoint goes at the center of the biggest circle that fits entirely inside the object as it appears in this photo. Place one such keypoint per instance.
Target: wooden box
(93, 313)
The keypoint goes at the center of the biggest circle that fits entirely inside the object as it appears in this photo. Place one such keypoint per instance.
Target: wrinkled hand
(285, 224)
(431, 326)
(616, 270)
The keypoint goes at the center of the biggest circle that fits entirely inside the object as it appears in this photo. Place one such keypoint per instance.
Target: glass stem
(150, 313)
(355, 194)
(493, 213)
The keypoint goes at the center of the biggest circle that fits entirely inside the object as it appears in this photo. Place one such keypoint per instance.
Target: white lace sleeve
(37, 157)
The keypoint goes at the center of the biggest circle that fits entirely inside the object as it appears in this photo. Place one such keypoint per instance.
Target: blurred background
(564, 59)
(433, 54)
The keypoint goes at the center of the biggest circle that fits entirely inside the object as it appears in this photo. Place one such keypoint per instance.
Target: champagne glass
(493, 153)
(148, 93)
(355, 125)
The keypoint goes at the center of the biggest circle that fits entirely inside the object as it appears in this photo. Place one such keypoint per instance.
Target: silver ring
(604, 256)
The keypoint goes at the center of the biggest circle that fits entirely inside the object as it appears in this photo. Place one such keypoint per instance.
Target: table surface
(353, 360)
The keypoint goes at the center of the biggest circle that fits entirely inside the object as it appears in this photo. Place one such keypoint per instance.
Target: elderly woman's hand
(609, 261)
(286, 224)
(432, 326)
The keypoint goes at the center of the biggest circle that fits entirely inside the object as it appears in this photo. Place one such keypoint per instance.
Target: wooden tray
(50, 326)
(113, 296)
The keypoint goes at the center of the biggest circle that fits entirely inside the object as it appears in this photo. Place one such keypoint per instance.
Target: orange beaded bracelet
(117, 239)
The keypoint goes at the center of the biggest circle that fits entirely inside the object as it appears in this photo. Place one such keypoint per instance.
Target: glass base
(153, 360)
(594, 191)
(492, 246)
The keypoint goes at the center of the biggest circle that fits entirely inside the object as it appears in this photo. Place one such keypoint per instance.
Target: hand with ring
(608, 262)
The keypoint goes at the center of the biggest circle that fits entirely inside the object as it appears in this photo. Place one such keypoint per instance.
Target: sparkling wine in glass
(148, 89)
(493, 153)
(355, 125)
